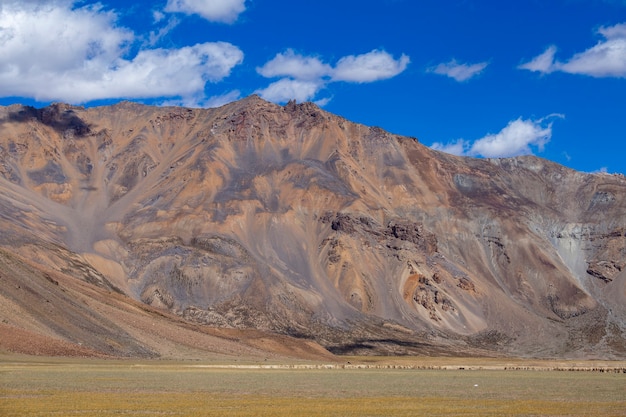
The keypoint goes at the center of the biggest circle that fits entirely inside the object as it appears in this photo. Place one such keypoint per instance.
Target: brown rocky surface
(255, 229)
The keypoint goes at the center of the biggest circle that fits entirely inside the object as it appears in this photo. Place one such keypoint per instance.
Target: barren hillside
(291, 221)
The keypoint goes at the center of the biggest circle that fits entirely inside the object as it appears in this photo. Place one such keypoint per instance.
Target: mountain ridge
(294, 221)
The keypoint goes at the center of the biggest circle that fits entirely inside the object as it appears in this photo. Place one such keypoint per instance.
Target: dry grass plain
(74, 387)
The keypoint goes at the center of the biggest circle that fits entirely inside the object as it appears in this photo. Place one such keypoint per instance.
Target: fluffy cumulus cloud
(288, 89)
(458, 71)
(605, 59)
(515, 139)
(372, 66)
(290, 64)
(226, 11)
(304, 76)
(56, 51)
(518, 137)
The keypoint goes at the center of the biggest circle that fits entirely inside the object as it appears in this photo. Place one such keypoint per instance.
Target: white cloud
(287, 89)
(290, 64)
(32, 40)
(85, 58)
(157, 16)
(611, 32)
(601, 171)
(203, 102)
(323, 101)
(515, 139)
(460, 72)
(217, 101)
(458, 147)
(518, 137)
(305, 76)
(606, 59)
(542, 63)
(165, 72)
(156, 36)
(226, 11)
(372, 66)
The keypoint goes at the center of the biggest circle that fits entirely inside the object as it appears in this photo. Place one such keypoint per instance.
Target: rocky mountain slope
(298, 223)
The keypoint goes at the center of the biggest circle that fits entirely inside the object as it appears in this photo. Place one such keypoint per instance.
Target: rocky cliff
(294, 221)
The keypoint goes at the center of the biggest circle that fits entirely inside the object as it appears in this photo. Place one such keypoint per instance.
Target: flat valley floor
(354, 387)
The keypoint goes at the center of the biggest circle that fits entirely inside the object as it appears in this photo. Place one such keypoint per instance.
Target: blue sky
(479, 78)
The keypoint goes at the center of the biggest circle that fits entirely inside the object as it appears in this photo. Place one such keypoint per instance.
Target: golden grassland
(62, 387)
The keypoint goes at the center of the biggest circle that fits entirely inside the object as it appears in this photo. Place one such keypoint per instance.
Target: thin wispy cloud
(155, 36)
(518, 137)
(605, 59)
(225, 11)
(304, 76)
(543, 63)
(458, 71)
(88, 57)
(203, 102)
(457, 147)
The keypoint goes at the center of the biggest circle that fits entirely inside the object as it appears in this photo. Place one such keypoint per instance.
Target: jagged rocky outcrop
(295, 221)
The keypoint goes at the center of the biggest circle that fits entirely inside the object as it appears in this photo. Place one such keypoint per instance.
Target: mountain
(291, 223)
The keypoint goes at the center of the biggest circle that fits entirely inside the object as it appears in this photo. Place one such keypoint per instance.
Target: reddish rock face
(295, 221)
